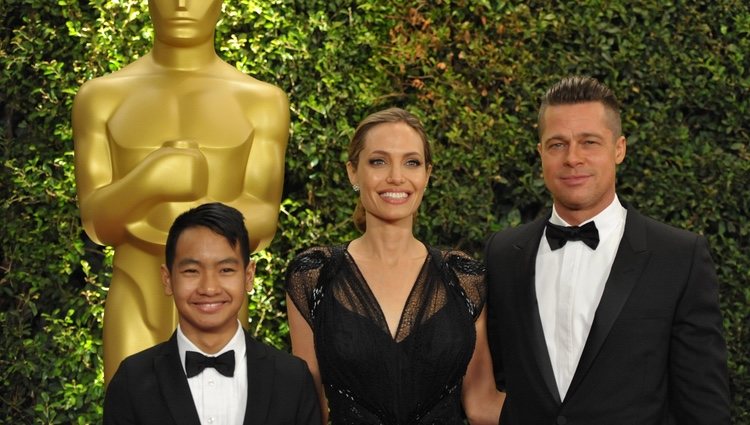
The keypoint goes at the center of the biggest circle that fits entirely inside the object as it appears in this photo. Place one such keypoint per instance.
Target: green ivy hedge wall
(471, 70)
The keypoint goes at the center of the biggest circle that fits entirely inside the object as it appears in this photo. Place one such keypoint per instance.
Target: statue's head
(184, 22)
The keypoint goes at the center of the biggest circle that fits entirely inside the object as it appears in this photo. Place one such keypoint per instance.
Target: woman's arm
(303, 346)
(481, 400)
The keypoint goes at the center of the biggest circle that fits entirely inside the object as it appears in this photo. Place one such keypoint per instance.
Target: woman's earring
(355, 187)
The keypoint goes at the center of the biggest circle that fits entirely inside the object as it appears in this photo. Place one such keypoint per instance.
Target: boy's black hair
(221, 219)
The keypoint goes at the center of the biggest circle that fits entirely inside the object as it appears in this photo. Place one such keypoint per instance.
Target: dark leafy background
(472, 70)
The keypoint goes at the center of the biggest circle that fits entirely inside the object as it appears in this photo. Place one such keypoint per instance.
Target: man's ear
(166, 280)
(621, 146)
(249, 276)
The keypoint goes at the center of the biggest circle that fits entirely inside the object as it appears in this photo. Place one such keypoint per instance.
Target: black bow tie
(195, 363)
(558, 236)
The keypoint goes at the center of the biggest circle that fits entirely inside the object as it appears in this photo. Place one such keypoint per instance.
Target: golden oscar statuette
(176, 128)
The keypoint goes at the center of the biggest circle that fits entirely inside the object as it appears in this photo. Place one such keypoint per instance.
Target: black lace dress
(371, 377)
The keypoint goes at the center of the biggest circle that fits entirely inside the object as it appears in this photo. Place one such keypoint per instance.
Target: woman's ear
(351, 171)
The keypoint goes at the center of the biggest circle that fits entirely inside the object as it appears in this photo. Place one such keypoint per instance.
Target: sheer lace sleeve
(302, 278)
(470, 275)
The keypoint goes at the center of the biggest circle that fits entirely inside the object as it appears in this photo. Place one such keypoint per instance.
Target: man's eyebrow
(563, 137)
(559, 137)
(589, 134)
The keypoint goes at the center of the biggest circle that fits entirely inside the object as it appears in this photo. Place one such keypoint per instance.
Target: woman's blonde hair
(390, 115)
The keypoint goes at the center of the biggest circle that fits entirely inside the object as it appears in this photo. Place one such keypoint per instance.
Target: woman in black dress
(393, 329)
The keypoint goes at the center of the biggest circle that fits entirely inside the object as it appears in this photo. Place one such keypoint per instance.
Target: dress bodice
(370, 376)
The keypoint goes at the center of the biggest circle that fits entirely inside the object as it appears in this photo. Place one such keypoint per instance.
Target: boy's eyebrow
(191, 261)
(229, 260)
(187, 261)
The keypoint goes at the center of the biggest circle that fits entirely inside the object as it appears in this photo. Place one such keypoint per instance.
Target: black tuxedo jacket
(150, 387)
(655, 354)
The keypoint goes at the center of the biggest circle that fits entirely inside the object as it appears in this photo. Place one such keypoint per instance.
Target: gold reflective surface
(174, 129)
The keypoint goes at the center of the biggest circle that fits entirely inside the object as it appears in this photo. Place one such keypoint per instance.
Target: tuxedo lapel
(260, 375)
(527, 248)
(630, 260)
(173, 384)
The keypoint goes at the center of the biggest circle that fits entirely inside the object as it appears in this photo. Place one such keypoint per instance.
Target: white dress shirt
(219, 400)
(569, 284)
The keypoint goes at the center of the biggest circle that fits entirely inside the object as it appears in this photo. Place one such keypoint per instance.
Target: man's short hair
(220, 219)
(581, 89)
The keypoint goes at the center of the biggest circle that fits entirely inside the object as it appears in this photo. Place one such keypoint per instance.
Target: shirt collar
(606, 221)
(237, 343)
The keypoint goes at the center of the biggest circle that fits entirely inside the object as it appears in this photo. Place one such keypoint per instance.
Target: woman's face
(184, 23)
(391, 173)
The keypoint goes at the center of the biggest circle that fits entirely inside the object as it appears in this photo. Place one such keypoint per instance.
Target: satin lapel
(630, 260)
(260, 374)
(527, 250)
(174, 386)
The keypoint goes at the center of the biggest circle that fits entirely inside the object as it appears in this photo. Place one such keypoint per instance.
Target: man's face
(184, 22)
(208, 282)
(580, 154)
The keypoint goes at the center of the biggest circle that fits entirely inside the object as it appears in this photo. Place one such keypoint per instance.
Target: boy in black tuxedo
(211, 371)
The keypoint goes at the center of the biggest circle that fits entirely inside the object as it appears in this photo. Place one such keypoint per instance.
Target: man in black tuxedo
(210, 371)
(598, 315)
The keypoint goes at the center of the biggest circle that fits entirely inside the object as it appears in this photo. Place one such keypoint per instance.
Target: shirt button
(211, 383)
(210, 420)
